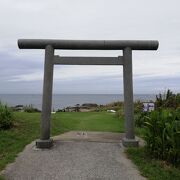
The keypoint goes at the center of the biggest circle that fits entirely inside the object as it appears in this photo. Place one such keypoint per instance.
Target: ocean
(63, 100)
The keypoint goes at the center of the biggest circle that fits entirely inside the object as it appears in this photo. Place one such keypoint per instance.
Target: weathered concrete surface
(88, 44)
(73, 160)
(90, 136)
(45, 141)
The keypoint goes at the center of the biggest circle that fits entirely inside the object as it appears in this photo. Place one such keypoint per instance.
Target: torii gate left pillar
(45, 141)
(50, 60)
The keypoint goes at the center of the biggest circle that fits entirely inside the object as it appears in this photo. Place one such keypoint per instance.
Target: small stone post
(45, 141)
(129, 139)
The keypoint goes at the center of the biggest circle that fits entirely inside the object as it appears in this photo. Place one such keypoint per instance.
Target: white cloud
(66, 73)
(141, 71)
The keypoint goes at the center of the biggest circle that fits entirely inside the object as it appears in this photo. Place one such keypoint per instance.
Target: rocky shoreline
(77, 108)
(89, 107)
(86, 107)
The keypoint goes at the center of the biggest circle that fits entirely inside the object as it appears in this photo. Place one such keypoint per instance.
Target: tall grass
(6, 117)
(162, 135)
(167, 100)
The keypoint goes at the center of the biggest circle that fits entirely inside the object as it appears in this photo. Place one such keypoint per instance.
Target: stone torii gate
(50, 60)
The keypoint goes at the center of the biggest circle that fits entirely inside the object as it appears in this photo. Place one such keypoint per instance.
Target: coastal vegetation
(168, 100)
(152, 168)
(6, 117)
(27, 108)
(160, 129)
(160, 158)
(30, 109)
(162, 135)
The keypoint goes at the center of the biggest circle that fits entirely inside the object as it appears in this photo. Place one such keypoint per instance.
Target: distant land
(63, 100)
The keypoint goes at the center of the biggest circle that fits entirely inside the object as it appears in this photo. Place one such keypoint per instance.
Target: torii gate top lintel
(88, 44)
(50, 60)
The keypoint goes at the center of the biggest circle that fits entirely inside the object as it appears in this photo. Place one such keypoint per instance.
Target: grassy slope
(27, 129)
(92, 121)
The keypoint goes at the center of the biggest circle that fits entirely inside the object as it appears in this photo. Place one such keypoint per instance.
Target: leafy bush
(140, 118)
(139, 114)
(162, 135)
(138, 107)
(114, 106)
(6, 117)
(30, 109)
(119, 114)
(167, 100)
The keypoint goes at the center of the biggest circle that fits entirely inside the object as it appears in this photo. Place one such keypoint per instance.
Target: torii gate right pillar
(129, 139)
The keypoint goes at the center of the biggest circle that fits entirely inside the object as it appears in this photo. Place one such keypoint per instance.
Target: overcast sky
(21, 71)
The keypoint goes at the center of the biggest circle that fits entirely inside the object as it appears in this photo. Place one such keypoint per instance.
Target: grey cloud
(91, 19)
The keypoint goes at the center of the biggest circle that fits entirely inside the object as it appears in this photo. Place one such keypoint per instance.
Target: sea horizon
(75, 93)
(60, 101)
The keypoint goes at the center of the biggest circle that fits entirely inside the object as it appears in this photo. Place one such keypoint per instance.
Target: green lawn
(89, 121)
(27, 129)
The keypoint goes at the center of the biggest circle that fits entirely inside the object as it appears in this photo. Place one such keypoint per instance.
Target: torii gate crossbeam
(50, 60)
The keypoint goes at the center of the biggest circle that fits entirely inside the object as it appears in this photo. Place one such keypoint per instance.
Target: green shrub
(138, 107)
(167, 100)
(30, 109)
(6, 117)
(177, 113)
(140, 118)
(162, 135)
(114, 106)
(119, 114)
(139, 114)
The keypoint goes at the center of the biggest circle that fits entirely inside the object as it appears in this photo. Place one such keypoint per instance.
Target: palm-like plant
(167, 100)
(162, 135)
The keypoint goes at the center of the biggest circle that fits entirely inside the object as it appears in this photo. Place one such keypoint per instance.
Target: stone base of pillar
(130, 142)
(42, 144)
